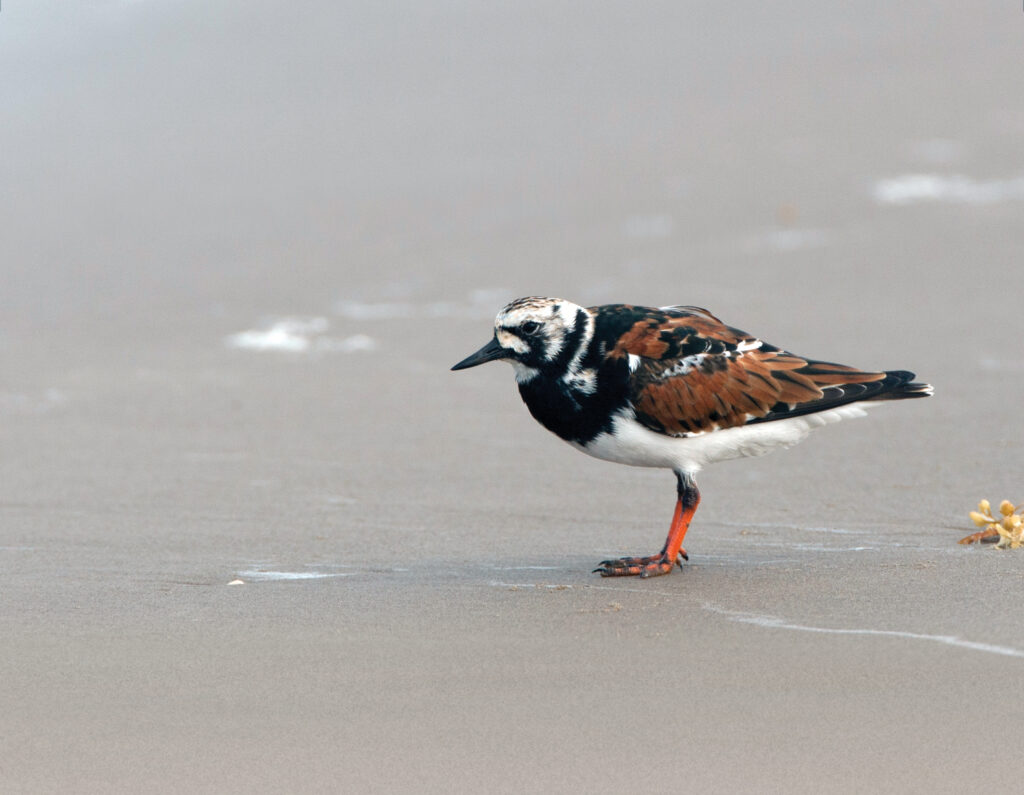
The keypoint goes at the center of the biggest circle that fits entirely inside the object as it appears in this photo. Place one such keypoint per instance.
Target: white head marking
(537, 327)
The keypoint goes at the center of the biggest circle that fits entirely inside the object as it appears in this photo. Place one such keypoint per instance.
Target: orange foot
(649, 566)
(672, 553)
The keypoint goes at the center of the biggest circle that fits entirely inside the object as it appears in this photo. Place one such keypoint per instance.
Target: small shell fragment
(237, 582)
(1007, 531)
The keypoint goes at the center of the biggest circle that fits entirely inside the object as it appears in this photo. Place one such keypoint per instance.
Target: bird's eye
(530, 327)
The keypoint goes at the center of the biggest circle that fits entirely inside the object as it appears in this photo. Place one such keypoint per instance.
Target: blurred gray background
(240, 245)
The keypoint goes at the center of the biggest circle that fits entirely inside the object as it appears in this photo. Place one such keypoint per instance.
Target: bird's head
(534, 335)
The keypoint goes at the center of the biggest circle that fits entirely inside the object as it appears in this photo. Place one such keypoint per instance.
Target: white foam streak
(291, 575)
(357, 342)
(298, 335)
(773, 622)
(527, 568)
(290, 334)
(915, 188)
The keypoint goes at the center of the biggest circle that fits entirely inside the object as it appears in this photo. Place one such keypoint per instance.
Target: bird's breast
(576, 412)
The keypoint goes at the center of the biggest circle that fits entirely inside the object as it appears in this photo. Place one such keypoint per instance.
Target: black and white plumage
(673, 388)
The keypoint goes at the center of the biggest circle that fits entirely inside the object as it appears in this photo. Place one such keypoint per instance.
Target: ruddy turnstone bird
(671, 387)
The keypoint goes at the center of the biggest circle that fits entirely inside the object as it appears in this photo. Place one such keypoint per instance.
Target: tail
(901, 384)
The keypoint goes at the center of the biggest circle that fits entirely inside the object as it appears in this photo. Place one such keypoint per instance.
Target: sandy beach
(256, 537)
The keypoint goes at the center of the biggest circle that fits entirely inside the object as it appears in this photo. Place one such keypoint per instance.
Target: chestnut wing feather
(696, 374)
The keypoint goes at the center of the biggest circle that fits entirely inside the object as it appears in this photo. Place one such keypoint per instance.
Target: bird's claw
(649, 566)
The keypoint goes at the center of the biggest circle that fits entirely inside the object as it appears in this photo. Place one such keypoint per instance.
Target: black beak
(491, 351)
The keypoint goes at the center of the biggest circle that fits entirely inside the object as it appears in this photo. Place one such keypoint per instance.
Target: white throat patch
(523, 373)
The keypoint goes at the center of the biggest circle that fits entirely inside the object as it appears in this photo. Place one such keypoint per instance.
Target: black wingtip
(909, 388)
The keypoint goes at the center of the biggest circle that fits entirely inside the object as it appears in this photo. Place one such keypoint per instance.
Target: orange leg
(662, 563)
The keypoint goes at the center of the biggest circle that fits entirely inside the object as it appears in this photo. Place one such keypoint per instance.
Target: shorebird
(674, 388)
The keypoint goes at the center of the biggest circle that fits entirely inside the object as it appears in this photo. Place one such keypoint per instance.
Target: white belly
(631, 443)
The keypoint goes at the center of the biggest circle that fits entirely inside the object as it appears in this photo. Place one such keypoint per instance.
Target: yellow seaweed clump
(1007, 530)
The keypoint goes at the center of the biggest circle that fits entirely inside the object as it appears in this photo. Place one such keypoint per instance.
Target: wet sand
(417, 612)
